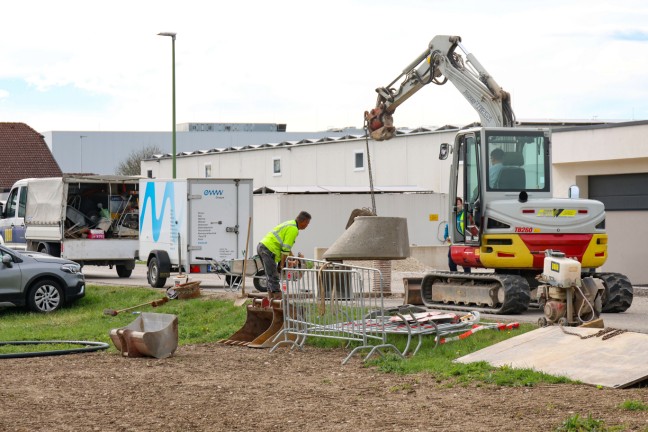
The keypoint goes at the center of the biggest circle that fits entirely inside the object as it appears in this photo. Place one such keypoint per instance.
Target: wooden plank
(617, 362)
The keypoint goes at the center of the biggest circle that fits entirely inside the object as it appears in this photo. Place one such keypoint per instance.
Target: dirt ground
(214, 387)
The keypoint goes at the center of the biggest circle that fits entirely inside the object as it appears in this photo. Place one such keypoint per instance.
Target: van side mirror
(6, 260)
(444, 151)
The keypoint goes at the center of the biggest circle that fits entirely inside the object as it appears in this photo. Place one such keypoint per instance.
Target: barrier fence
(346, 302)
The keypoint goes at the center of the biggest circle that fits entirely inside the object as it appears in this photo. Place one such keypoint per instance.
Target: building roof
(24, 154)
(338, 189)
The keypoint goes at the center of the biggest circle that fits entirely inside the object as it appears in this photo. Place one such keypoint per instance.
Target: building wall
(407, 160)
(424, 213)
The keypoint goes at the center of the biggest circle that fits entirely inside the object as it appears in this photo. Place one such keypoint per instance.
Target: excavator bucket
(150, 335)
(264, 319)
(412, 287)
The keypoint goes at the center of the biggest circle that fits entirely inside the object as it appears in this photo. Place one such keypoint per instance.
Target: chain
(371, 186)
(604, 334)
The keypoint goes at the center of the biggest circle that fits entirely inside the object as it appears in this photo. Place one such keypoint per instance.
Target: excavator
(510, 217)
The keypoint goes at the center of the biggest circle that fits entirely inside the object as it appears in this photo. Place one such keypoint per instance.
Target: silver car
(39, 281)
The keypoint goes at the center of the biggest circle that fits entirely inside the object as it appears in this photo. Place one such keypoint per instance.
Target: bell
(372, 238)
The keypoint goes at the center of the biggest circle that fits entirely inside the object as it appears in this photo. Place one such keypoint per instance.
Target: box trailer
(88, 219)
(184, 220)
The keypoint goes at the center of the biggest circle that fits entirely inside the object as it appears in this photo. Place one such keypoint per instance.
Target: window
(276, 166)
(149, 173)
(518, 161)
(358, 160)
(12, 204)
(22, 203)
(208, 170)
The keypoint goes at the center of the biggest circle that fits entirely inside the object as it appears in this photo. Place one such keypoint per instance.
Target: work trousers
(270, 267)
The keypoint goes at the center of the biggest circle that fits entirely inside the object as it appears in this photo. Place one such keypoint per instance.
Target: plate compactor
(568, 299)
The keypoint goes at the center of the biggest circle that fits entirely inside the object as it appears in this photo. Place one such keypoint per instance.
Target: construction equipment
(150, 334)
(154, 303)
(263, 321)
(510, 217)
(568, 299)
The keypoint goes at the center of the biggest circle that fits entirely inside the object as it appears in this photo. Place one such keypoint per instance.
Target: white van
(12, 217)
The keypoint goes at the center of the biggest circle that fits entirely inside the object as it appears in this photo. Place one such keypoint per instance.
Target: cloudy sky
(100, 66)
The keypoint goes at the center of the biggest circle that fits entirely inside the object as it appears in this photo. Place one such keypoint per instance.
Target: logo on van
(216, 192)
(149, 201)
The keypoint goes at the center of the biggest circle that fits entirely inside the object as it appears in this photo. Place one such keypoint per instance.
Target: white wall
(410, 160)
(331, 213)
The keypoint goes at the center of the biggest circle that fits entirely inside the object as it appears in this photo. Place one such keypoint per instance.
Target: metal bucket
(150, 335)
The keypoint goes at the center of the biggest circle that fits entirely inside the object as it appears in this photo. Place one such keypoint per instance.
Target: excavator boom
(445, 60)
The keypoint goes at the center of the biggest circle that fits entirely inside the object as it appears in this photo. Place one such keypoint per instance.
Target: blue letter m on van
(149, 201)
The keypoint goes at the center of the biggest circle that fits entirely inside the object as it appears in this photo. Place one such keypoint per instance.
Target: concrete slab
(617, 362)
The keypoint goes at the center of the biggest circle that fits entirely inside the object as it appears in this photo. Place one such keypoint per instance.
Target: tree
(131, 165)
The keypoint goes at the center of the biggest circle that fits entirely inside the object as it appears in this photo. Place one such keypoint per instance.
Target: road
(634, 319)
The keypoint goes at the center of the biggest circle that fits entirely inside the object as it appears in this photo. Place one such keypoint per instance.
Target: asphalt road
(634, 319)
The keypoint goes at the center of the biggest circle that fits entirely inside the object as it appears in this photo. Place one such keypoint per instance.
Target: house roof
(24, 154)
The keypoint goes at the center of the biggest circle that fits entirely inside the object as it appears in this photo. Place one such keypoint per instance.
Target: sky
(100, 66)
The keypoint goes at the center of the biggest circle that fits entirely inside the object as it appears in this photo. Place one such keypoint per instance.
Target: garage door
(626, 201)
(620, 191)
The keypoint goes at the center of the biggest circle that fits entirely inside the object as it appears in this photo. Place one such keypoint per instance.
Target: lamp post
(173, 38)
(81, 148)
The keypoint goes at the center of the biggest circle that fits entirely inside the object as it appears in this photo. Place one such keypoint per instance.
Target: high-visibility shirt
(281, 239)
(460, 223)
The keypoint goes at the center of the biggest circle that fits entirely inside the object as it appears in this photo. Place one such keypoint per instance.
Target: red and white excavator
(512, 217)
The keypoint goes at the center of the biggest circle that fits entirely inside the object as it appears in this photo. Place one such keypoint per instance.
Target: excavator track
(488, 293)
(618, 292)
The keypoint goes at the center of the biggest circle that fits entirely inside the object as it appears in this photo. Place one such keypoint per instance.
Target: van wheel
(153, 274)
(50, 249)
(123, 272)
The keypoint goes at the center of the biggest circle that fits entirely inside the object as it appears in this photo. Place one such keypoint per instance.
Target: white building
(608, 162)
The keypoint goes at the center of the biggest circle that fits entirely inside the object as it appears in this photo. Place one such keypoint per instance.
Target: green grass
(208, 320)
(633, 405)
(199, 320)
(576, 423)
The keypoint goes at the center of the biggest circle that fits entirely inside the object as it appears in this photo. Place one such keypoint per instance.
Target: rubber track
(618, 290)
(516, 292)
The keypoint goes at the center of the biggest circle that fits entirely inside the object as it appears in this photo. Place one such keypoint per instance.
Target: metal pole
(173, 102)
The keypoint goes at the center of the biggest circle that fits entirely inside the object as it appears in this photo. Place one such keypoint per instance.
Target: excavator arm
(440, 63)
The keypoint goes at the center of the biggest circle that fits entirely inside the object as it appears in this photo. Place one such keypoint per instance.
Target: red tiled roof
(24, 154)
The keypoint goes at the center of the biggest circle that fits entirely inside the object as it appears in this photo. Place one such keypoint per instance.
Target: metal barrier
(345, 302)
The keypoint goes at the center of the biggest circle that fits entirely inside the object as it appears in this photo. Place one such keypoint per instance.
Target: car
(40, 282)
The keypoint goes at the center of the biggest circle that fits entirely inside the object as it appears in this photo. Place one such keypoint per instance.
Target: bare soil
(214, 387)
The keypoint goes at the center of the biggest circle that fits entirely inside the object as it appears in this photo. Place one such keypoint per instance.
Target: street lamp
(81, 147)
(173, 37)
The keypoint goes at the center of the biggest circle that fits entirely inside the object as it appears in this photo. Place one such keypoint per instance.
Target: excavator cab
(495, 171)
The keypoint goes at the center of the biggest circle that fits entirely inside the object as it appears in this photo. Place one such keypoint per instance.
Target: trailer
(184, 220)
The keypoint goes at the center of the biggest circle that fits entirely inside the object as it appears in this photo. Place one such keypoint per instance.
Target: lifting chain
(604, 334)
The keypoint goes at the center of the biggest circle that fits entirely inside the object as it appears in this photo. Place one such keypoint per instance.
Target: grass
(208, 320)
(576, 423)
(199, 320)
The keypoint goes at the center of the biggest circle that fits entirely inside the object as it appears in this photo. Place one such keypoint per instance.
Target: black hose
(88, 347)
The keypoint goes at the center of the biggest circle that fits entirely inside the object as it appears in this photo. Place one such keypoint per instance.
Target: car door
(12, 224)
(10, 276)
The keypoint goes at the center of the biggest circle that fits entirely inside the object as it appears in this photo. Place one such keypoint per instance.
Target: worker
(276, 247)
(461, 220)
(496, 157)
